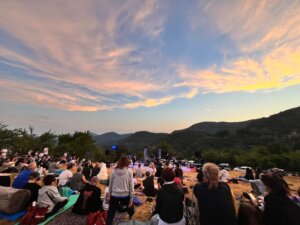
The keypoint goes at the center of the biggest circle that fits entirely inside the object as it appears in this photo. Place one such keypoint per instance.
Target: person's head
(178, 172)
(139, 165)
(277, 172)
(200, 176)
(147, 174)
(70, 166)
(34, 176)
(32, 166)
(79, 169)
(49, 180)
(94, 180)
(168, 174)
(248, 171)
(275, 184)
(123, 162)
(211, 174)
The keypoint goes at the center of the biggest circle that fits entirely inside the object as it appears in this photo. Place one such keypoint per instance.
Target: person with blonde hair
(215, 200)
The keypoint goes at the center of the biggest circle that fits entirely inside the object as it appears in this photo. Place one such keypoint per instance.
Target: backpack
(249, 212)
(97, 218)
(86, 196)
(34, 215)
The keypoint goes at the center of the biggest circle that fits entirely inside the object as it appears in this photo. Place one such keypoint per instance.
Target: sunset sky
(126, 66)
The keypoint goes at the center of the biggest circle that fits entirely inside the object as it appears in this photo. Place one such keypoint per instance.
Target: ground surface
(143, 212)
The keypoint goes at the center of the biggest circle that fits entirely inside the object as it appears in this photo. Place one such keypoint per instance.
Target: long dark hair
(275, 183)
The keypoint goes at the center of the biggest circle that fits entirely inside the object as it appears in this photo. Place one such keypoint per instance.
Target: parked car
(225, 166)
(242, 168)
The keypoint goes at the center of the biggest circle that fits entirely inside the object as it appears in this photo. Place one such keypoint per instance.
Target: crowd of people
(213, 199)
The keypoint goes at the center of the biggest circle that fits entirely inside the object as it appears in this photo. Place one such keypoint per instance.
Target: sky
(126, 66)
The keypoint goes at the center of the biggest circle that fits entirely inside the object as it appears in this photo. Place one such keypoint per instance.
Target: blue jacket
(22, 179)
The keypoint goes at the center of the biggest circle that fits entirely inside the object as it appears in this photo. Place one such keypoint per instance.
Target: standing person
(169, 201)
(23, 177)
(133, 160)
(121, 189)
(279, 208)
(49, 196)
(216, 202)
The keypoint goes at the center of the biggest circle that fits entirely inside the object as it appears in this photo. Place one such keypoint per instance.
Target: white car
(242, 168)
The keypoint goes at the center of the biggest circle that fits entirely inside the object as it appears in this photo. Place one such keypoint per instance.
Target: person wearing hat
(33, 185)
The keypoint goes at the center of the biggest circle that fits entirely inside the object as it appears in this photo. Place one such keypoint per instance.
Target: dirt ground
(143, 212)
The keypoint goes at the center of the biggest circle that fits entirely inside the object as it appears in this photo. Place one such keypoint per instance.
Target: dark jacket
(34, 190)
(95, 171)
(86, 171)
(169, 203)
(216, 207)
(88, 200)
(149, 189)
(281, 210)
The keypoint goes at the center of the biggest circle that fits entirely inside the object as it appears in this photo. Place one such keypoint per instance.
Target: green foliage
(21, 141)
(255, 157)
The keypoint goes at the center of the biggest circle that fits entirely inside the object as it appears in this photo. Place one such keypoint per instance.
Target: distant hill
(214, 127)
(283, 127)
(110, 138)
(140, 139)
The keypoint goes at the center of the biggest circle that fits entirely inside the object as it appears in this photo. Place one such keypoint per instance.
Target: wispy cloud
(96, 55)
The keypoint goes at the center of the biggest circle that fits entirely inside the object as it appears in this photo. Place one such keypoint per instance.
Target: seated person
(22, 179)
(33, 185)
(49, 196)
(177, 179)
(103, 175)
(139, 172)
(65, 176)
(89, 199)
(135, 182)
(53, 167)
(148, 184)
(257, 185)
(224, 175)
(249, 174)
(95, 169)
(78, 180)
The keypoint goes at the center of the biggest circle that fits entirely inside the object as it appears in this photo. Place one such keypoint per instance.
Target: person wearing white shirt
(224, 175)
(65, 176)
